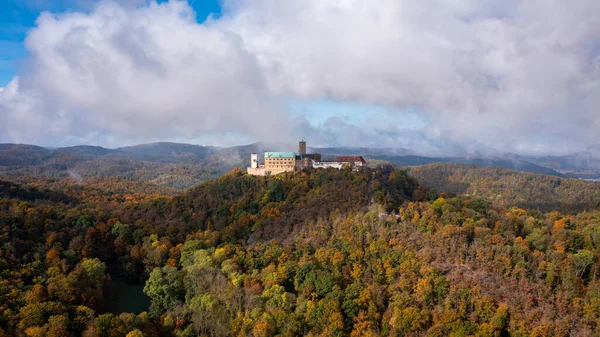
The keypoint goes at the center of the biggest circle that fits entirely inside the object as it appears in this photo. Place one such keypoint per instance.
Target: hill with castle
(319, 252)
(280, 162)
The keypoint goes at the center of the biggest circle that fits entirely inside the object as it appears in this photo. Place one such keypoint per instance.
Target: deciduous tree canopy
(311, 253)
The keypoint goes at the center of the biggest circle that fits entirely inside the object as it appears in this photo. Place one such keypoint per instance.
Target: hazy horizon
(285, 146)
(434, 77)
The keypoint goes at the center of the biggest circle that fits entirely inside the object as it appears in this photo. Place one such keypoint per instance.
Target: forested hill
(179, 170)
(243, 206)
(182, 166)
(15, 191)
(508, 163)
(300, 254)
(58, 245)
(510, 188)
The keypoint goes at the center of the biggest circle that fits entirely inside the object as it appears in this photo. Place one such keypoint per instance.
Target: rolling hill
(301, 254)
(509, 187)
(513, 164)
(182, 166)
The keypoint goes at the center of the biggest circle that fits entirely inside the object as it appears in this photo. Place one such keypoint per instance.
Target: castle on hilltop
(280, 162)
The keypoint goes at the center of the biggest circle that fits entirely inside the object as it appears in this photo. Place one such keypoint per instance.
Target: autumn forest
(436, 251)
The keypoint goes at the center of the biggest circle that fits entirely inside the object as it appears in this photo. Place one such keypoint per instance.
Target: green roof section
(280, 155)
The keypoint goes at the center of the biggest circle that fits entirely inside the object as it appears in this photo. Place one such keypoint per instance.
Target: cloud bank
(518, 75)
(145, 72)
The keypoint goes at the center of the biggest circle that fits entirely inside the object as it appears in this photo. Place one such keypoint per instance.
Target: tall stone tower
(302, 147)
(254, 160)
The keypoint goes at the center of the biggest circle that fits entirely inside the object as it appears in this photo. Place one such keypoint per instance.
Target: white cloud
(516, 75)
(510, 74)
(148, 72)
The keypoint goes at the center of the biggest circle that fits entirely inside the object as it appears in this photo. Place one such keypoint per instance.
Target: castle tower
(254, 160)
(302, 147)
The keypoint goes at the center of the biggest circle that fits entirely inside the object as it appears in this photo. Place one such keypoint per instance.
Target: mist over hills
(167, 167)
(509, 187)
(581, 162)
(181, 166)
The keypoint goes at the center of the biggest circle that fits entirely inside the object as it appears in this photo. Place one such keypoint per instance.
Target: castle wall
(303, 163)
(279, 165)
(259, 171)
(276, 171)
(262, 171)
(335, 164)
(328, 164)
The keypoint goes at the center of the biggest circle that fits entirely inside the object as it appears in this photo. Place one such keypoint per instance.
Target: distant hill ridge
(165, 152)
(509, 187)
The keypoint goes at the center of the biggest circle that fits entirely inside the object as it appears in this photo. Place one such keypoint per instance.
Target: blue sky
(319, 111)
(18, 16)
